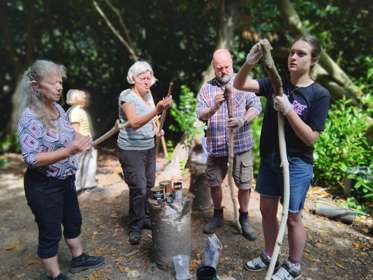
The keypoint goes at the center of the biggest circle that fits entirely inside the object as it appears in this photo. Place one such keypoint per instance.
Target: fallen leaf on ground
(13, 245)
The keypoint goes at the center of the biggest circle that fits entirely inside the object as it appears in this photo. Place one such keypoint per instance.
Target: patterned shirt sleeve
(30, 132)
(253, 101)
(201, 101)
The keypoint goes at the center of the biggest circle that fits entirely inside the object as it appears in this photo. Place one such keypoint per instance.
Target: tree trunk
(17, 95)
(229, 11)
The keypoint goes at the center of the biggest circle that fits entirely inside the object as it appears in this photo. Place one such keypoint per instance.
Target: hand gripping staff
(161, 123)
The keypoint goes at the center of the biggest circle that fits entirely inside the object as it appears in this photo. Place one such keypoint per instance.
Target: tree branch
(132, 52)
(290, 16)
(122, 24)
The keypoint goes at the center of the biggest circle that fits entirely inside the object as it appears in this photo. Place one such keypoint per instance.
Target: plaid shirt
(217, 131)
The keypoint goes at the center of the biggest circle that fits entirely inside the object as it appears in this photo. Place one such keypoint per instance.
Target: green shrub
(9, 144)
(184, 113)
(343, 148)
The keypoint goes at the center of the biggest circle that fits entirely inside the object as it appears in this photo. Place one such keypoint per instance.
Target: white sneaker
(288, 271)
(259, 263)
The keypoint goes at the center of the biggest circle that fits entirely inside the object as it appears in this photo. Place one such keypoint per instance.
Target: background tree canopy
(177, 37)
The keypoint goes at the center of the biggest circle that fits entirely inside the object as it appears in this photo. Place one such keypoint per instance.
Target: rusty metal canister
(157, 194)
(178, 191)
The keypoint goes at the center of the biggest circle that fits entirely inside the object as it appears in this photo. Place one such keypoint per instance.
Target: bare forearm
(301, 129)
(139, 121)
(47, 158)
(243, 82)
(251, 114)
(208, 113)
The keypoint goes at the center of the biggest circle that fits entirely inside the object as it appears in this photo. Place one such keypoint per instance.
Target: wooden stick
(163, 141)
(270, 68)
(163, 118)
(231, 133)
(164, 146)
(117, 126)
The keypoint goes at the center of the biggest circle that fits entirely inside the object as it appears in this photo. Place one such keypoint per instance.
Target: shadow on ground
(333, 250)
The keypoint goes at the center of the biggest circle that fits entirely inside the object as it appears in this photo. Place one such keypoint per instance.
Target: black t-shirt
(311, 103)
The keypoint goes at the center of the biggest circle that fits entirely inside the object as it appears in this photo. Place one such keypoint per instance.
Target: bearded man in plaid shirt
(212, 108)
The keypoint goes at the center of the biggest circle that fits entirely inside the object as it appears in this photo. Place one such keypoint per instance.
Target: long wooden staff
(231, 133)
(83, 158)
(117, 126)
(163, 118)
(270, 68)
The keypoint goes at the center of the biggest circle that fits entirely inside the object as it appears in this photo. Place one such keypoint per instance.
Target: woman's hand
(164, 104)
(254, 55)
(159, 133)
(81, 143)
(256, 52)
(282, 104)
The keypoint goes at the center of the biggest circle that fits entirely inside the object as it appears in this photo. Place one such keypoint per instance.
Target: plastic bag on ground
(211, 253)
(181, 265)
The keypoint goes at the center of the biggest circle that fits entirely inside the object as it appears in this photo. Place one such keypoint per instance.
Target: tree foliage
(177, 37)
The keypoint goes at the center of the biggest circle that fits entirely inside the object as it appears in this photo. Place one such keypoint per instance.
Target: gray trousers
(139, 173)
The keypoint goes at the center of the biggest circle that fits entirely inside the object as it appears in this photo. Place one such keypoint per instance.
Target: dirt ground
(333, 251)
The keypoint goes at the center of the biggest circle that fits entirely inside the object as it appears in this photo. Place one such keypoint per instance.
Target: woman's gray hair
(32, 98)
(138, 68)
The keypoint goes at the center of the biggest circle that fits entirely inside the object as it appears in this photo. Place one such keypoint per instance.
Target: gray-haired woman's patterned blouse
(35, 138)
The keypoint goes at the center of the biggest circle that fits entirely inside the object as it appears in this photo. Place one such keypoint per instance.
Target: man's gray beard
(225, 79)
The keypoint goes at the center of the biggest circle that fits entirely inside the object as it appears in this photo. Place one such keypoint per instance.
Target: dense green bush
(343, 152)
(184, 113)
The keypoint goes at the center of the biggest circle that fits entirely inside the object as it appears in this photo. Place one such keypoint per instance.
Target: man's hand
(236, 122)
(219, 99)
(282, 104)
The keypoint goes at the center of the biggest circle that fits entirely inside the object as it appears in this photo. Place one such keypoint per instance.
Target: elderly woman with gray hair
(136, 143)
(49, 145)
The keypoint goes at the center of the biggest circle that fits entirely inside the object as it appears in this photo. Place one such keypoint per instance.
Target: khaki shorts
(217, 168)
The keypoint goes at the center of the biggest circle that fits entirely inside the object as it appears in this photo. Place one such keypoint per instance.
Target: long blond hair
(32, 98)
